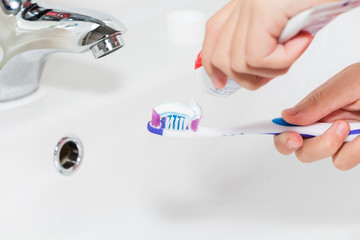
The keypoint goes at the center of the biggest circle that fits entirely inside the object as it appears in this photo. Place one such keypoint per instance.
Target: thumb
(285, 55)
(338, 92)
(275, 55)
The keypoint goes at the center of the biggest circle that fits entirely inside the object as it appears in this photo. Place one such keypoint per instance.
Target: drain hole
(69, 154)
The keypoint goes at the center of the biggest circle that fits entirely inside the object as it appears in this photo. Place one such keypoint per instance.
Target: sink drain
(68, 155)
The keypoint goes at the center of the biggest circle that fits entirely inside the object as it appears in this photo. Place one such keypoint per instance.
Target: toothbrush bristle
(280, 121)
(175, 122)
(175, 117)
(179, 123)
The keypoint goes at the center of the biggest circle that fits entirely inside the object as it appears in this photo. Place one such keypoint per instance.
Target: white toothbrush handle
(268, 127)
(264, 127)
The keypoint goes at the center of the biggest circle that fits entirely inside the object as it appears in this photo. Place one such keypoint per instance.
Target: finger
(288, 142)
(341, 114)
(251, 82)
(326, 145)
(221, 57)
(327, 98)
(263, 49)
(235, 56)
(213, 28)
(355, 106)
(349, 155)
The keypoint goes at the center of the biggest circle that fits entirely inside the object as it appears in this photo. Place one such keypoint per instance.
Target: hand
(241, 41)
(337, 101)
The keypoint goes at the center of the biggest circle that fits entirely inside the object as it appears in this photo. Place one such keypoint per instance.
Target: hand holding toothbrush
(241, 41)
(329, 119)
(337, 101)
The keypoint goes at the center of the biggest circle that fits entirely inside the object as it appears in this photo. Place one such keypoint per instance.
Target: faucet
(31, 32)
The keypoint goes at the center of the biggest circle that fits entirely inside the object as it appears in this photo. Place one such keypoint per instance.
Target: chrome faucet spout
(31, 31)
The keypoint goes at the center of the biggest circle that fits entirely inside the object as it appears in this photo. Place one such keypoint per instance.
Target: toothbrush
(176, 120)
(311, 20)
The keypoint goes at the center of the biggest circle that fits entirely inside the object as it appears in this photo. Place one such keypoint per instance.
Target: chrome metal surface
(68, 155)
(31, 31)
(10, 6)
(107, 45)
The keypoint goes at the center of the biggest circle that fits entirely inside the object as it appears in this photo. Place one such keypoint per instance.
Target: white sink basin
(134, 185)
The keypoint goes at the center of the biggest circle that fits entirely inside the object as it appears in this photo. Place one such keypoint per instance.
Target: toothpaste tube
(311, 20)
(206, 84)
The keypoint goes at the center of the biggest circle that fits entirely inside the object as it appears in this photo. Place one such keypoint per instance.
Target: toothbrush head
(175, 117)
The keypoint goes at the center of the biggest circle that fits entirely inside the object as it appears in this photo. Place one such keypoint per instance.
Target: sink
(135, 185)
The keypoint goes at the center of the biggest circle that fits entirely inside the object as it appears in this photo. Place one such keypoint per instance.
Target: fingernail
(292, 145)
(341, 129)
